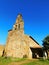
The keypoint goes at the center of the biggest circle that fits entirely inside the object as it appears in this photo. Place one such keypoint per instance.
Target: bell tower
(19, 25)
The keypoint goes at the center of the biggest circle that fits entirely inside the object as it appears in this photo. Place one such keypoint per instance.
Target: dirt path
(21, 62)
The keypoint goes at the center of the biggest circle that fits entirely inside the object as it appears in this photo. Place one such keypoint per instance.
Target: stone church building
(20, 45)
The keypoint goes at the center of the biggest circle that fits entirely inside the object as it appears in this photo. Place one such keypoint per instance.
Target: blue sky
(35, 15)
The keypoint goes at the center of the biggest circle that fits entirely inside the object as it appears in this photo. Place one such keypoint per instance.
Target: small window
(19, 26)
(15, 28)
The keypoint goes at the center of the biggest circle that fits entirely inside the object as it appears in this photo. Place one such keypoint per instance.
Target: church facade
(20, 45)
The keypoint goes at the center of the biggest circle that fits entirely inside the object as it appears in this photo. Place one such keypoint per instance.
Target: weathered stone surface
(18, 44)
(1, 49)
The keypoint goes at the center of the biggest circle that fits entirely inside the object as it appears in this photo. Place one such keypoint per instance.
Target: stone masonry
(18, 44)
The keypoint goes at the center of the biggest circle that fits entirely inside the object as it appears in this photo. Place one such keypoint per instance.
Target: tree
(46, 42)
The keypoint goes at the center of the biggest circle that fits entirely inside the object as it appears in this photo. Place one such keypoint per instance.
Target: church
(21, 45)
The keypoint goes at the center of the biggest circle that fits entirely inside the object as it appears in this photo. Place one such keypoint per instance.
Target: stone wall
(18, 44)
(1, 50)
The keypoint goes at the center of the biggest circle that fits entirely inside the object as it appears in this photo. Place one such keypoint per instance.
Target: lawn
(23, 61)
(38, 62)
(6, 61)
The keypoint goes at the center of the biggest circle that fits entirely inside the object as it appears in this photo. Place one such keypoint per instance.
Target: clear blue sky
(35, 14)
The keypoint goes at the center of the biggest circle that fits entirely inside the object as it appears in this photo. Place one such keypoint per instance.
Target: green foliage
(46, 39)
(46, 42)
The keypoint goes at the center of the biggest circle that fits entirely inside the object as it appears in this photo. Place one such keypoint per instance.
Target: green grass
(38, 62)
(17, 59)
(6, 61)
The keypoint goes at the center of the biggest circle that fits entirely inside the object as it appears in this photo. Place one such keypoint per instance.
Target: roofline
(34, 39)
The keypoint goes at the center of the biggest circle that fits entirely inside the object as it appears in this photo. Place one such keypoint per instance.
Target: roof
(34, 39)
(36, 44)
